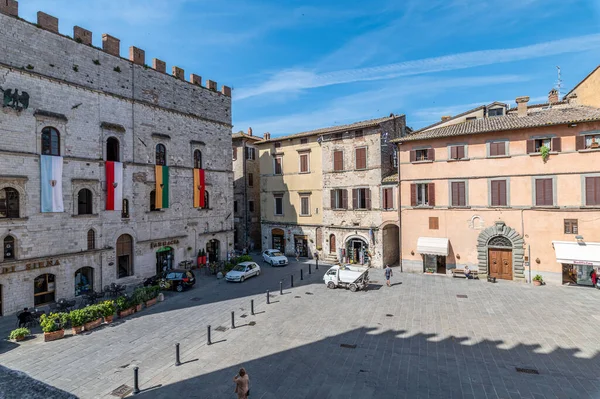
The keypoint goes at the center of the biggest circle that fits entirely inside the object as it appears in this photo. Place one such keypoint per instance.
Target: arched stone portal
(391, 250)
(500, 252)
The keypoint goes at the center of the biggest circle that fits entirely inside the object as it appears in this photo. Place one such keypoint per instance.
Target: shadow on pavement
(17, 385)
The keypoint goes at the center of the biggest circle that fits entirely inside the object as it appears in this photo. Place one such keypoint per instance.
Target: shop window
(277, 165)
(44, 289)
(50, 141)
(592, 191)
(124, 256)
(84, 280)
(112, 149)
(361, 158)
(458, 193)
(84, 202)
(9, 203)
(125, 210)
(161, 155)
(91, 239)
(361, 198)
(197, 159)
(434, 223)
(544, 192)
(305, 205)
(278, 204)
(338, 161)
(9, 248)
(571, 226)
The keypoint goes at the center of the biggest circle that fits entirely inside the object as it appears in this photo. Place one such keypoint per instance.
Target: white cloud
(299, 79)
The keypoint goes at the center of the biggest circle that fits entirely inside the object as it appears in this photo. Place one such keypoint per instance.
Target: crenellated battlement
(110, 45)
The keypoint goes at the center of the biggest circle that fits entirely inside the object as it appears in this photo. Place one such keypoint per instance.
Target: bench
(461, 273)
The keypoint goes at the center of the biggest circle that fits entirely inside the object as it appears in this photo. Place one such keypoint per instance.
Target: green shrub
(138, 296)
(53, 322)
(537, 278)
(78, 317)
(152, 292)
(18, 333)
(123, 303)
(107, 308)
(242, 258)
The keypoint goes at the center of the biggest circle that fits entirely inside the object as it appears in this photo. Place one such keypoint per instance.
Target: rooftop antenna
(558, 82)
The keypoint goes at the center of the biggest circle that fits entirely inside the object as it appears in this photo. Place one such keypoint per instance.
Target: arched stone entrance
(500, 252)
(391, 250)
(357, 250)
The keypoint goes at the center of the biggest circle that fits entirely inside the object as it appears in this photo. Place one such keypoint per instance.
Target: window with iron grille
(161, 154)
(91, 239)
(571, 226)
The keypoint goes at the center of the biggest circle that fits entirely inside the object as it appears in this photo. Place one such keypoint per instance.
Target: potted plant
(199, 260)
(538, 280)
(19, 334)
(93, 317)
(151, 296)
(545, 152)
(53, 326)
(124, 306)
(138, 298)
(108, 310)
(77, 318)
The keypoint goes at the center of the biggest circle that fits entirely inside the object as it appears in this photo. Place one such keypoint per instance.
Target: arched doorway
(332, 248)
(500, 252)
(357, 250)
(44, 289)
(84, 280)
(165, 258)
(500, 258)
(278, 240)
(124, 256)
(391, 250)
(212, 250)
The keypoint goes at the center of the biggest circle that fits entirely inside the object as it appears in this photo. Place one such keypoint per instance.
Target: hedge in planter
(125, 307)
(150, 295)
(107, 308)
(19, 334)
(78, 318)
(53, 325)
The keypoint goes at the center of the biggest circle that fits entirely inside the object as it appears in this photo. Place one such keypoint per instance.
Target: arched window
(153, 201)
(50, 141)
(9, 247)
(84, 202)
(84, 280)
(91, 238)
(112, 150)
(125, 210)
(206, 197)
(43, 289)
(9, 203)
(197, 159)
(161, 155)
(124, 256)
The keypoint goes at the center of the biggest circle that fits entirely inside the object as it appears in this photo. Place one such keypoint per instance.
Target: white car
(243, 271)
(275, 257)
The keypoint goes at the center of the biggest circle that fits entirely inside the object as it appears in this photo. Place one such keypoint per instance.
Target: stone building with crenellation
(110, 170)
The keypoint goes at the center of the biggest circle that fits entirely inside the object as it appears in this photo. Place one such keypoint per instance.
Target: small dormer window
(496, 112)
(471, 118)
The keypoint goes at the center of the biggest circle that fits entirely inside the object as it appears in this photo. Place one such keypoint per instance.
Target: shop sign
(582, 262)
(32, 266)
(163, 243)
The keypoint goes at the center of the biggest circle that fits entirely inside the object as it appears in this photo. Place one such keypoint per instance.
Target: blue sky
(301, 65)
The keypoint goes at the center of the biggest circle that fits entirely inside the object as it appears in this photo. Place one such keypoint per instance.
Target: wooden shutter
(539, 192)
(592, 190)
(543, 192)
(345, 198)
(548, 192)
(556, 144)
(495, 193)
(368, 198)
(434, 223)
(388, 198)
(462, 193)
(338, 160)
(385, 198)
(493, 149)
(454, 152)
(455, 195)
(580, 143)
(303, 163)
(332, 193)
(361, 158)
(430, 154)
(431, 188)
(413, 155)
(530, 146)
(460, 152)
(354, 198)
(502, 200)
(413, 195)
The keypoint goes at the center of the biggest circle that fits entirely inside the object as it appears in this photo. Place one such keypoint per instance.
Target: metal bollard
(177, 362)
(280, 287)
(292, 276)
(317, 265)
(268, 298)
(232, 320)
(301, 275)
(136, 386)
(309, 269)
(209, 342)
(252, 307)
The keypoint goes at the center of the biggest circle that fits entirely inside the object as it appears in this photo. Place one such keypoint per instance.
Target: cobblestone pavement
(417, 339)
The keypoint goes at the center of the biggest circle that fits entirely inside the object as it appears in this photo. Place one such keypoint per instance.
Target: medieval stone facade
(86, 109)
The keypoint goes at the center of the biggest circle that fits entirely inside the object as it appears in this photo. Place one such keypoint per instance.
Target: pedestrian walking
(242, 384)
(388, 274)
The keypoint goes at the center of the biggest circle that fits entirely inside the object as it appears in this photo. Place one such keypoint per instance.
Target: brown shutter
(454, 186)
(390, 198)
(384, 199)
(597, 191)
(345, 199)
(548, 192)
(361, 158)
(413, 195)
(530, 146)
(502, 200)
(430, 154)
(539, 192)
(234, 153)
(590, 191)
(431, 188)
(493, 150)
(580, 143)
(460, 152)
(556, 144)
(462, 193)
(368, 197)
(454, 152)
(495, 193)
(413, 156)
(354, 198)
(332, 193)
(338, 160)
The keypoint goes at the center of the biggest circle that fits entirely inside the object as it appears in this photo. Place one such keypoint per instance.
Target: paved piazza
(416, 339)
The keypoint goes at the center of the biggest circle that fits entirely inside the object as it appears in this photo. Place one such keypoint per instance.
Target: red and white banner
(114, 186)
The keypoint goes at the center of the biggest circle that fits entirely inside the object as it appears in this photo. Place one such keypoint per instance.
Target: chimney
(265, 136)
(249, 131)
(553, 96)
(446, 118)
(522, 106)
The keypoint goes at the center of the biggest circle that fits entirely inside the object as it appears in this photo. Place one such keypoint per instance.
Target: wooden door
(332, 244)
(500, 263)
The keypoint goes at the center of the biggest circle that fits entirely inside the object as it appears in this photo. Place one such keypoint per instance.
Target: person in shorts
(388, 274)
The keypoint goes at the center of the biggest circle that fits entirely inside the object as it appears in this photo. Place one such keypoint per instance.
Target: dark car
(176, 280)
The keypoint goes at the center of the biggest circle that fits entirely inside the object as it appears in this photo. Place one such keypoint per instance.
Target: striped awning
(432, 246)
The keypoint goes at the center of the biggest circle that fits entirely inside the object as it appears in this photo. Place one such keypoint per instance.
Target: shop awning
(577, 253)
(432, 246)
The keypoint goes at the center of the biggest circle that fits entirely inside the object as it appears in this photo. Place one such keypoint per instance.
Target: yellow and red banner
(199, 188)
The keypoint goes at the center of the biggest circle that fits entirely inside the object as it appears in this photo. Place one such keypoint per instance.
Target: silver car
(274, 257)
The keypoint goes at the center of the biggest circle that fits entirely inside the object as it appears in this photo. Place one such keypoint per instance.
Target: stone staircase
(332, 258)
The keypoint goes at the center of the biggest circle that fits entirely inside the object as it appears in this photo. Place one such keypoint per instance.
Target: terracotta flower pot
(126, 312)
(92, 324)
(54, 335)
(138, 308)
(151, 302)
(20, 338)
(537, 283)
(108, 319)
(77, 330)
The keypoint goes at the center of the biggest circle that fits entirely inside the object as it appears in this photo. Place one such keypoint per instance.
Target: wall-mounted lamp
(111, 263)
(537, 260)
(457, 256)
(412, 252)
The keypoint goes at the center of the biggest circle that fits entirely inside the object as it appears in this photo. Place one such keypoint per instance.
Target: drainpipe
(399, 209)
(245, 243)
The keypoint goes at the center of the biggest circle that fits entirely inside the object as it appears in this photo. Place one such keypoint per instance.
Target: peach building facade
(512, 195)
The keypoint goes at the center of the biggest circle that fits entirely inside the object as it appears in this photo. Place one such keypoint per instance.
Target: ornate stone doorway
(500, 252)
